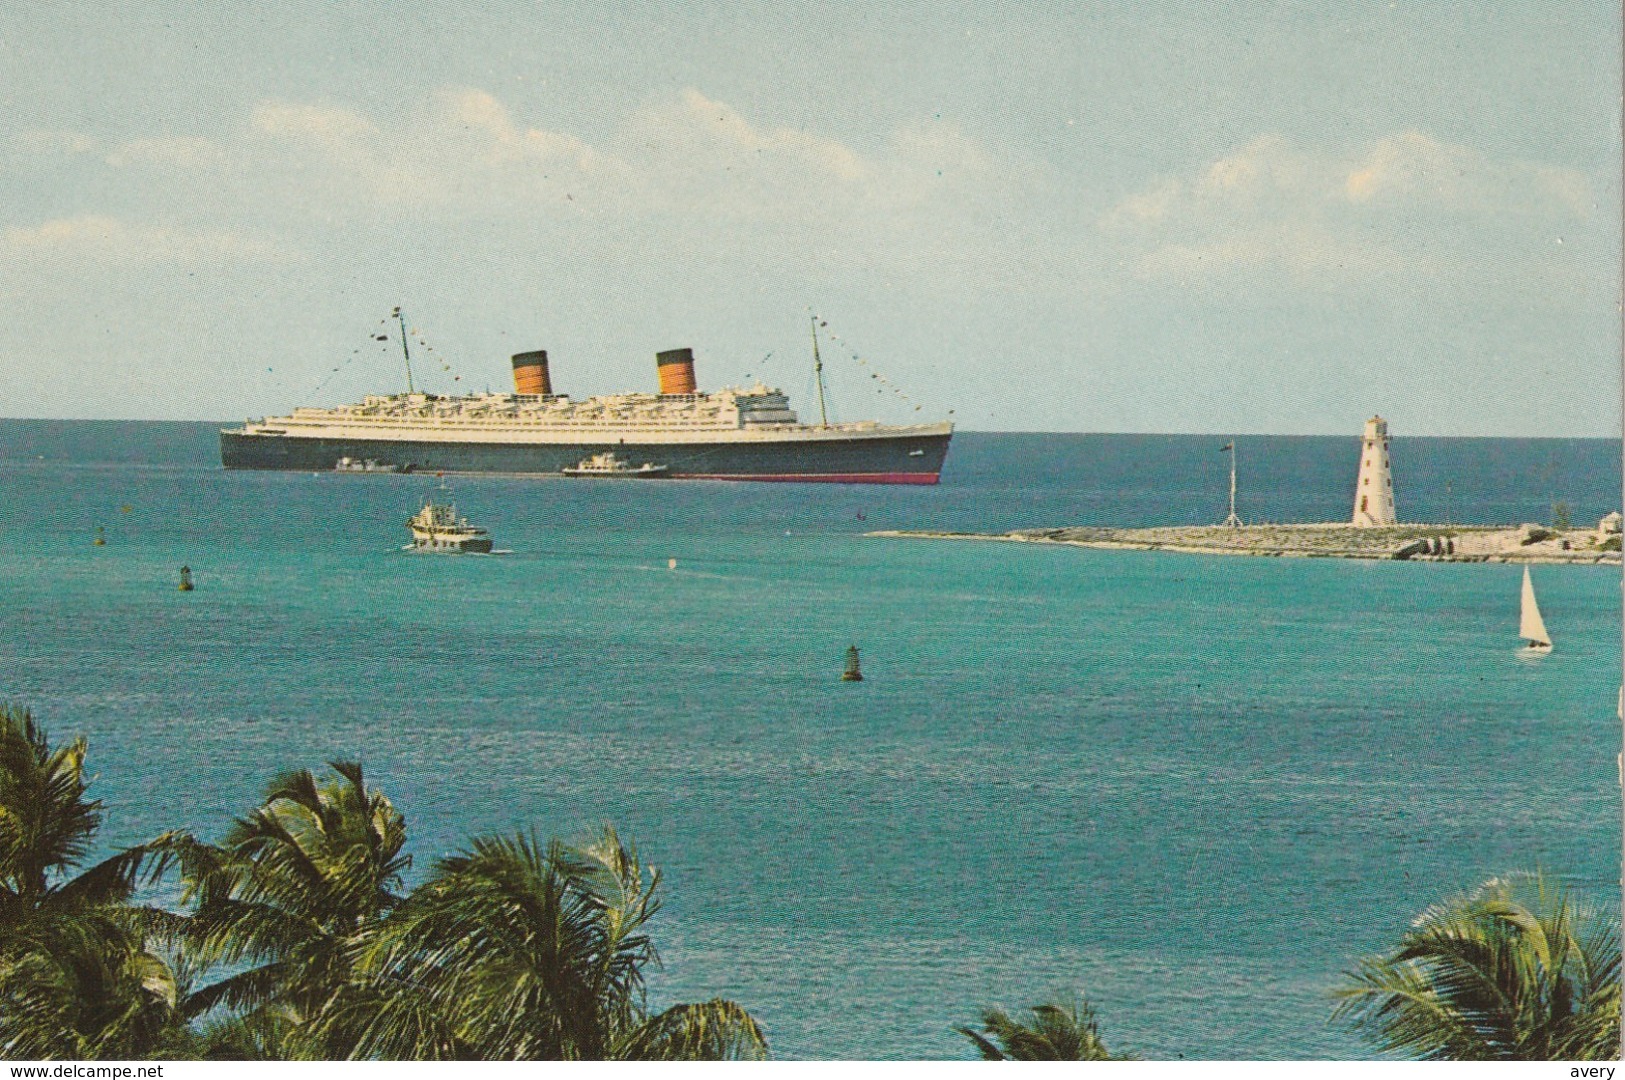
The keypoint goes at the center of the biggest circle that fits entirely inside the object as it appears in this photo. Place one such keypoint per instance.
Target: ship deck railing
(585, 423)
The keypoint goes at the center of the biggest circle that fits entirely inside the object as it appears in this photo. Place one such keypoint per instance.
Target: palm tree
(513, 951)
(1060, 1031)
(1517, 970)
(77, 976)
(510, 950)
(285, 898)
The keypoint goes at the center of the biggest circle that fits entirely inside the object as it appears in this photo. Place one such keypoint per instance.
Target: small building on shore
(1374, 489)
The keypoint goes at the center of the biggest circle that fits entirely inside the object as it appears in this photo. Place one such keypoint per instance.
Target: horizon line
(1215, 434)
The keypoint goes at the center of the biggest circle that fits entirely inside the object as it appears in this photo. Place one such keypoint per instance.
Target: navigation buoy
(186, 579)
(852, 674)
(101, 540)
(671, 564)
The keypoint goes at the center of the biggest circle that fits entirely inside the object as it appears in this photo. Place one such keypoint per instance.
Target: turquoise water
(1194, 788)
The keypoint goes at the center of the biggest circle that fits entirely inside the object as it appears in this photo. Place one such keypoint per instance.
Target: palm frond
(46, 822)
(1062, 1030)
(1515, 970)
(987, 1050)
(716, 1030)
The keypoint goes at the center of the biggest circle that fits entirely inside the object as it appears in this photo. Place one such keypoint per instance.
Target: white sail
(1531, 627)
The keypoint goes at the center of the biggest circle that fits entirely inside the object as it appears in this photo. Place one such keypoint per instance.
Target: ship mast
(405, 352)
(818, 373)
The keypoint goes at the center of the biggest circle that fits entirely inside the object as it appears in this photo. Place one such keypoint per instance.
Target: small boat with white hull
(438, 528)
(607, 464)
(350, 464)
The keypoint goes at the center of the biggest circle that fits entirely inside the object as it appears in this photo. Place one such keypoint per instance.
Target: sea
(1193, 789)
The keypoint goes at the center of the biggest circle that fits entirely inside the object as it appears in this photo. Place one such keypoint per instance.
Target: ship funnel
(530, 373)
(676, 371)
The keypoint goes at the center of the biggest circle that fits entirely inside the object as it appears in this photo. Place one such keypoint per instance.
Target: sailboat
(1530, 625)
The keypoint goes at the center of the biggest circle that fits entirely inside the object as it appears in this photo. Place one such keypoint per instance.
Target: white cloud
(29, 147)
(696, 124)
(326, 124)
(1265, 178)
(693, 173)
(489, 120)
(1152, 205)
(693, 168)
(1299, 250)
(185, 152)
(104, 240)
(693, 156)
(462, 151)
(1414, 167)
(1266, 167)
(943, 146)
(299, 141)
(1408, 203)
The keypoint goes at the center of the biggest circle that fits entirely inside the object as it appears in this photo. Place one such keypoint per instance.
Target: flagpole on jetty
(1232, 521)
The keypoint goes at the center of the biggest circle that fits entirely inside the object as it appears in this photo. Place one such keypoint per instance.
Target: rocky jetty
(1423, 543)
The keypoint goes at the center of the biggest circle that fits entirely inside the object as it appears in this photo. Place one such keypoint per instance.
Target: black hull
(904, 459)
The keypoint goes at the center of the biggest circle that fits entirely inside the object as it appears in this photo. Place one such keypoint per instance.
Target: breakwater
(1434, 543)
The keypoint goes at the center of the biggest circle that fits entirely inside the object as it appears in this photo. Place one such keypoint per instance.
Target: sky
(1224, 217)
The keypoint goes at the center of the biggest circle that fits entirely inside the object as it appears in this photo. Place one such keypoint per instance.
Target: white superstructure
(728, 415)
(1374, 490)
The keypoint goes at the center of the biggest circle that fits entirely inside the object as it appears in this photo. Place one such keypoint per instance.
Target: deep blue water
(1193, 788)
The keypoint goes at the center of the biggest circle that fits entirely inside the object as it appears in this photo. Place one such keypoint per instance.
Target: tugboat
(438, 528)
(607, 464)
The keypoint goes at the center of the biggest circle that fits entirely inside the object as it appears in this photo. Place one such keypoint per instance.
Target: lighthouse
(1374, 491)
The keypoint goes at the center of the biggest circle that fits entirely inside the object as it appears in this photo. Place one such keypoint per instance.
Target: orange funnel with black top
(676, 371)
(530, 373)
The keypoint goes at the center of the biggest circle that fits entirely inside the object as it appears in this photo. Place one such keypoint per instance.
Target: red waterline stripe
(820, 478)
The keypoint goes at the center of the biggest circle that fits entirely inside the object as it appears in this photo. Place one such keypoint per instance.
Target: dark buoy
(852, 674)
(186, 579)
(100, 540)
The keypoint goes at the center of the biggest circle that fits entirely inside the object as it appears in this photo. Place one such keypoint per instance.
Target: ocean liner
(729, 434)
